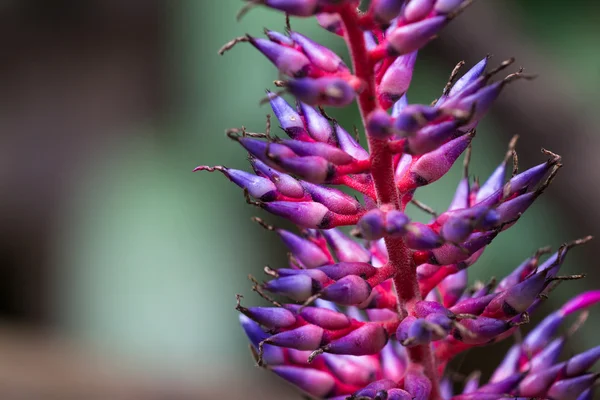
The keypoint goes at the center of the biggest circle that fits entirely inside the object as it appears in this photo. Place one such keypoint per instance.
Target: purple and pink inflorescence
(379, 312)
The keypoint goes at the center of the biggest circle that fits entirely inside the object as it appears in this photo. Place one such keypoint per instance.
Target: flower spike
(372, 305)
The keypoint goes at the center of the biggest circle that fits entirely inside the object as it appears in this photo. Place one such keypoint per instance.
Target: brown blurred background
(118, 266)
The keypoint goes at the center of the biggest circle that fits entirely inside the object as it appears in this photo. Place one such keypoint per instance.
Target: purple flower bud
(266, 151)
(258, 187)
(370, 42)
(326, 319)
(307, 337)
(395, 223)
(299, 8)
(349, 290)
(492, 184)
(416, 10)
(414, 117)
(368, 339)
(288, 61)
(319, 55)
(374, 388)
(400, 105)
(522, 182)
(386, 10)
(473, 305)
(372, 224)
(536, 384)
(421, 237)
(285, 184)
(450, 254)
(349, 145)
(452, 287)
(332, 22)
(506, 385)
(280, 38)
(328, 91)
(290, 120)
(319, 127)
(481, 101)
(471, 75)
(271, 355)
(582, 362)
(518, 298)
(447, 6)
(305, 251)
(314, 382)
(432, 166)
(417, 384)
(426, 271)
(296, 287)
(379, 124)
(310, 168)
(431, 137)
(324, 150)
(399, 394)
(343, 269)
(461, 195)
(315, 274)
(335, 200)
(423, 308)
(519, 273)
(587, 394)
(393, 362)
(459, 224)
(509, 364)
(305, 214)
(396, 80)
(413, 331)
(348, 371)
(567, 389)
(511, 209)
(346, 249)
(483, 329)
(411, 37)
(271, 317)
(547, 357)
(446, 389)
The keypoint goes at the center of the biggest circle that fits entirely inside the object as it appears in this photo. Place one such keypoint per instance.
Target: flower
(379, 315)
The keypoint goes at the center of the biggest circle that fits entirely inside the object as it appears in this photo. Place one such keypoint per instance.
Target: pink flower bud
(319, 127)
(305, 251)
(346, 249)
(416, 10)
(396, 80)
(350, 290)
(305, 214)
(411, 37)
(368, 339)
(319, 55)
(349, 145)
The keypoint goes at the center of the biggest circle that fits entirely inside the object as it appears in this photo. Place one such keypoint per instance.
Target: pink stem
(382, 171)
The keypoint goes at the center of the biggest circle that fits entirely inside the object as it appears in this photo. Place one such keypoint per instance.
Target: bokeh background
(118, 265)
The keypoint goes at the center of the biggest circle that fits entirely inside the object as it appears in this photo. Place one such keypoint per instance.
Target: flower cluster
(378, 311)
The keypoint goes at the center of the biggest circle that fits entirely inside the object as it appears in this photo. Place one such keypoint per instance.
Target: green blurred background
(119, 265)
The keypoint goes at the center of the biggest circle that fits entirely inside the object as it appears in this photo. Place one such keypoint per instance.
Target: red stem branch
(382, 171)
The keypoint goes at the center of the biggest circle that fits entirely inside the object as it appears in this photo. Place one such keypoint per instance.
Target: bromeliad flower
(379, 313)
